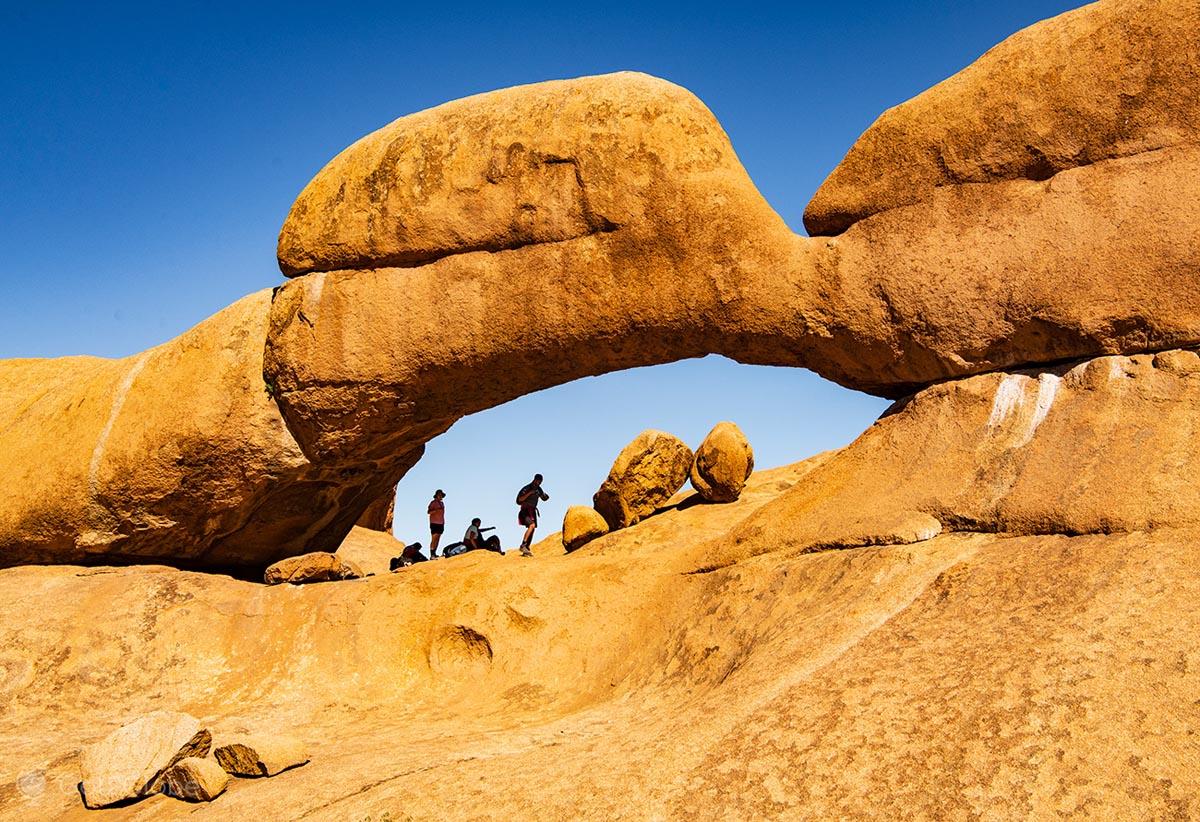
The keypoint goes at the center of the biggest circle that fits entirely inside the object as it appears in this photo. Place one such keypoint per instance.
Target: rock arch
(468, 254)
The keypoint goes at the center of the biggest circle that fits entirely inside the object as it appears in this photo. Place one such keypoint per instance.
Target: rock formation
(195, 779)
(581, 525)
(1107, 82)
(647, 473)
(1095, 447)
(968, 674)
(983, 607)
(264, 755)
(723, 463)
(318, 566)
(107, 462)
(1036, 233)
(379, 514)
(130, 762)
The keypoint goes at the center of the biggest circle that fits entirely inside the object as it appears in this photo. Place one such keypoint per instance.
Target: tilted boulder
(723, 463)
(195, 779)
(130, 762)
(369, 550)
(647, 473)
(264, 755)
(379, 514)
(581, 525)
(317, 566)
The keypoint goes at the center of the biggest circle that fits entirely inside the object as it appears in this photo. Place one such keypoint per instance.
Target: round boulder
(580, 526)
(645, 475)
(723, 463)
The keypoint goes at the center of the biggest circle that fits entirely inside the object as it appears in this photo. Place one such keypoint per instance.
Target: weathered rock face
(130, 762)
(196, 779)
(615, 209)
(178, 454)
(581, 525)
(613, 206)
(1096, 447)
(723, 463)
(1101, 259)
(644, 476)
(883, 660)
(972, 278)
(1028, 209)
(317, 566)
(261, 755)
(1110, 80)
(379, 514)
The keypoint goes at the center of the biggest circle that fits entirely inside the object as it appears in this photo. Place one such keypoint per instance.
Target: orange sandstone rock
(723, 463)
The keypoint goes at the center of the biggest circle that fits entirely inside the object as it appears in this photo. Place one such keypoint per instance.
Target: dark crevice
(904, 393)
(417, 259)
(1037, 168)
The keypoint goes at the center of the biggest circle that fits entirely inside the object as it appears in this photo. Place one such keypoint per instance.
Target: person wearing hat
(437, 521)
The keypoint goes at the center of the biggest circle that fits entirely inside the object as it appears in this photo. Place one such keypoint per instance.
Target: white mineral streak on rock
(1010, 395)
(314, 285)
(1047, 391)
(118, 401)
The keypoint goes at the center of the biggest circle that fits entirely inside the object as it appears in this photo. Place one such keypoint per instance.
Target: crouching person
(473, 540)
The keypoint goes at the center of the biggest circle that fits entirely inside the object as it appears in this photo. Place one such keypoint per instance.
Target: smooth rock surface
(643, 657)
(261, 755)
(1094, 447)
(130, 762)
(723, 463)
(581, 525)
(368, 550)
(317, 566)
(1111, 79)
(647, 473)
(195, 779)
(379, 515)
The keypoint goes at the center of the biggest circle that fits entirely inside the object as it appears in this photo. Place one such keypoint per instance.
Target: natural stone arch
(481, 250)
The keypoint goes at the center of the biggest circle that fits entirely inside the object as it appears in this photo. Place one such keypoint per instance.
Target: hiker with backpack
(528, 498)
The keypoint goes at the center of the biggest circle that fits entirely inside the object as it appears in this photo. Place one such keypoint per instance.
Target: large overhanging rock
(1112, 79)
(443, 251)
(178, 454)
(467, 255)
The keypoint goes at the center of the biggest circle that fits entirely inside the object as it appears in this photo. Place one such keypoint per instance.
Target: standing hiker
(528, 498)
(437, 521)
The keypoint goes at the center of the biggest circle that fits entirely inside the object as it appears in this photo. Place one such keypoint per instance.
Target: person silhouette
(437, 521)
(528, 498)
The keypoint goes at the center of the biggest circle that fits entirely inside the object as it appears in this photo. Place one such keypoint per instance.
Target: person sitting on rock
(528, 498)
(474, 541)
(411, 554)
(437, 521)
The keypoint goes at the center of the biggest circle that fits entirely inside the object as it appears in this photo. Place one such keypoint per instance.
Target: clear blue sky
(150, 153)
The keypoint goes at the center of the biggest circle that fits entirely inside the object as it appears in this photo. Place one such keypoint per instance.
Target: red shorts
(528, 516)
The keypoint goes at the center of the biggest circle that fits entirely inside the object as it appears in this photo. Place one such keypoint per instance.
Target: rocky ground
(961, 676)
(983, 608)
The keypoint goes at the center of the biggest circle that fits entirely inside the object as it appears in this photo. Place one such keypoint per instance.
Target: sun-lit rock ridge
(526, 237)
